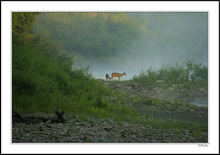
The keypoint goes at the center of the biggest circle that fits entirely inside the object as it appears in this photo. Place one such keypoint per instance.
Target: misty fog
(173, 37)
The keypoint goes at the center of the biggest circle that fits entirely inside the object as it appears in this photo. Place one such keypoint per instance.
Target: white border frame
(130, 6)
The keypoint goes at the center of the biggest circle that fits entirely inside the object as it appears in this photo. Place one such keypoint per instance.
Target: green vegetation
(43, 78)
(186, 74)
(22, 22)
(98, 36)
(42, 82)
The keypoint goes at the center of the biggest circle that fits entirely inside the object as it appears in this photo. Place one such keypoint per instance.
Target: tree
(22, 22)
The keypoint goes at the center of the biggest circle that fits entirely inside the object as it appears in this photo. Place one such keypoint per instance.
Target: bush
(187, 74)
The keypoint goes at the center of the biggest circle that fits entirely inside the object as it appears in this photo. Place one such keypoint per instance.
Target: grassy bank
(43, 79)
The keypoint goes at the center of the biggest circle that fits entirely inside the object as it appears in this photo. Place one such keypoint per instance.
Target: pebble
(100, 132)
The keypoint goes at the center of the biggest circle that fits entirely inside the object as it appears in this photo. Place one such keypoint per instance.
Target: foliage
(91, 35)
(22, 22)
(42, 79)
(41, 82)
(187, 74)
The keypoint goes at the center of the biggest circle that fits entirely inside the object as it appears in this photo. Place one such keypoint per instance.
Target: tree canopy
(23, 21)
(91, 35)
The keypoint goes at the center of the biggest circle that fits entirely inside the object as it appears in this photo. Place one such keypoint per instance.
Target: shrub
(187, 74)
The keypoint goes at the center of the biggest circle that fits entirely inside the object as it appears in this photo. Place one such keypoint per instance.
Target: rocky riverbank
(195, 95)
(84, 129)
(87, 129)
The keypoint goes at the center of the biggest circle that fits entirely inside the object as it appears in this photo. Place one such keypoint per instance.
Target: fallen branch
(58, 117)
